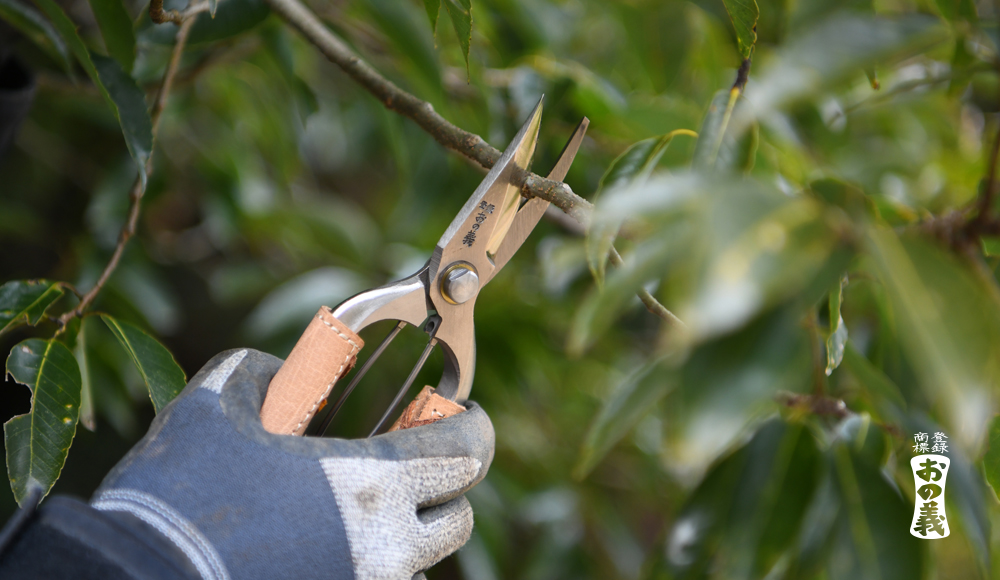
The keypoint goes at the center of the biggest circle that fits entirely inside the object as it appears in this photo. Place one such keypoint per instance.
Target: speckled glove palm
(243, 503)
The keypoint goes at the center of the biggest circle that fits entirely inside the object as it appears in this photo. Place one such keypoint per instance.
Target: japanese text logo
(930, 473)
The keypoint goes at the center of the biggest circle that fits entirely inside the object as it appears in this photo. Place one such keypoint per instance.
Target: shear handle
(404, 300)
(328, 349)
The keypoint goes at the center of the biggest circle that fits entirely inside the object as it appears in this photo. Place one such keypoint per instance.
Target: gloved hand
(243, 503)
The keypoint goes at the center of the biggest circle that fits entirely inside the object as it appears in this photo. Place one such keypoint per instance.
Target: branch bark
(742, 75)
(136, 193)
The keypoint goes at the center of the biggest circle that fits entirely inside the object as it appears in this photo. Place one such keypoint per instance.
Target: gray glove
(243, 503)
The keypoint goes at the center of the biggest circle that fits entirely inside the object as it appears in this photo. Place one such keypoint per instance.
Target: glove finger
(446, 528)
(467, 434)
(436, 480)
(453, 454)
(251, 373)
(204, 389)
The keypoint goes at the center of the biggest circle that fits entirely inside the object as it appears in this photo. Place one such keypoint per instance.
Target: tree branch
(135, 195)
(422, 112)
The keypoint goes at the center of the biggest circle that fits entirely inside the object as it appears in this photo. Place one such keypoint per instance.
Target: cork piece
(427, 408)
(326, 351)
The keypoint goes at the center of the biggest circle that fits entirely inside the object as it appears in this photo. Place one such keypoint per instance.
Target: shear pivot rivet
(459, 283)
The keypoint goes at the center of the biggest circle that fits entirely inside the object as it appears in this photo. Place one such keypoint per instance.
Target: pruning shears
(440, 297)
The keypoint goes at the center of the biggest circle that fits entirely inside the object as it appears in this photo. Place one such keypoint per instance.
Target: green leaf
(784, 499)
(969, 496)
(163, 376)
(744, 14)
(119, 90)
(713, 128)
(236, 17)
(835, 50)
(635, 164)
(37, 442)
(745, 247)
(627, 405)
(638, 161)
(25, 302)
(36, 28)
(807, 556)
(67, 30)
(872, 379)
(730, 383)
(87, 418)
(836, 335)
(695, 532)
(748, 510)
(991, 245)
(129, 104)
(277, 41)
(856, 524)
(949, 328)
(604, 303)
(116, 28)
(991, 461)
(744, 152)
(870, 538)
(963, 62)
(402, 24)
(721, 145)
(460, 12)
(957, 10)
(847, 197)
(433, 8)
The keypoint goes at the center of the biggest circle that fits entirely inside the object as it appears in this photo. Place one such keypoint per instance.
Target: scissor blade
(481, 225)
(532, 211)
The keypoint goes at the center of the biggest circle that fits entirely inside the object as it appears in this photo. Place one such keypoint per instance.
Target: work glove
(243, 503)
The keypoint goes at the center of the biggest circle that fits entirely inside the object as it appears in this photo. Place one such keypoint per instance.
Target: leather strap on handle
(427, 408)
(326, 351)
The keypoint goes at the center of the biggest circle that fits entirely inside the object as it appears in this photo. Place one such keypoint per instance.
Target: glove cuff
(169, 523)
(69, 539)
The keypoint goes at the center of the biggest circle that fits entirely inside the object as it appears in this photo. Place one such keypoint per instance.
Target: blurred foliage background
(829, 245)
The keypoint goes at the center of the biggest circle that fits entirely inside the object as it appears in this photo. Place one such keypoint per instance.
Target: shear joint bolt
(459, 283)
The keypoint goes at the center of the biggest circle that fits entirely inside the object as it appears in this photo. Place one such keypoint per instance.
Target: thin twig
(742, 75)
(160, 16)
(647, 299)
(135, 195)
(616, 260)
(817, 404)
